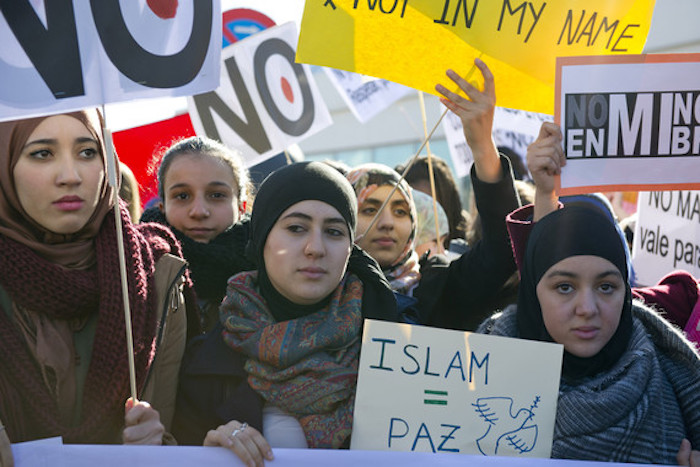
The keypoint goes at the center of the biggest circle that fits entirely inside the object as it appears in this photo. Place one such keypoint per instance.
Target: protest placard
(630, 123)
(666, 235)
(413, 42)
(427, 389)
(265, 102)
(512, 128)
(365, 96)
(64, 55)
(460, 153)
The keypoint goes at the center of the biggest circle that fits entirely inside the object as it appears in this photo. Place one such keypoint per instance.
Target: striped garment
(640, 409)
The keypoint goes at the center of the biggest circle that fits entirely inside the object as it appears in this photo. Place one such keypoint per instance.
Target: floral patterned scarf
(306, 366)
(404, 273)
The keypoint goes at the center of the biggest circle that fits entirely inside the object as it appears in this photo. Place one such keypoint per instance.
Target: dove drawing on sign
(506, 433)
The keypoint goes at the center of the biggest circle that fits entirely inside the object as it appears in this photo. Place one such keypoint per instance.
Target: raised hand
(545, 158)
(476, 113)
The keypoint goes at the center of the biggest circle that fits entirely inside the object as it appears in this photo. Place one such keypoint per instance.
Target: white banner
(666, 235)
(40, 454)
(514, 129)
(365, 96)
(265, 102)
(630, 123)
(436, 390)
(517, 129)
(460, 153)
(63, 55)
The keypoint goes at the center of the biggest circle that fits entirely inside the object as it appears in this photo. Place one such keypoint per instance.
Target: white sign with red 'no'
(266, 101)
(63, 55)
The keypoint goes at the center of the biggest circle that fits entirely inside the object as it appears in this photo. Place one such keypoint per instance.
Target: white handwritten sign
(630, 123)
(437, 390)
(460, 153)
(63, 55)
(365, 96)
(266, 101)
(512, 128)
(666, 235)
(517, 129)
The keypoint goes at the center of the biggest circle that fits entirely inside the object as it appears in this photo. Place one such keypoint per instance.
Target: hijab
(74, 250)
(283, 188)
(425, 218)
(210, 264)
(572, 231)
(404, 273)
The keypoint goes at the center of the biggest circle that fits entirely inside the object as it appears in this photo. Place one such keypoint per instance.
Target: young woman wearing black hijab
(285, 356)
(203, 188)
(630, 384)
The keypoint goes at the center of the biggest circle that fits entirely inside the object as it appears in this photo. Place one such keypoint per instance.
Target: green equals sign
(431, 397)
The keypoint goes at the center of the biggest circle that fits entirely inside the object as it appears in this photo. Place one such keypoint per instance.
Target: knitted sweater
(637, 411)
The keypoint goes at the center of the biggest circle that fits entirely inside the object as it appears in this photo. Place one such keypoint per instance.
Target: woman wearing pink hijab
(61, 309)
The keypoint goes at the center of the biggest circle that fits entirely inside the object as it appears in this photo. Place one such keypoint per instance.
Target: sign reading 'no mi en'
(630, 123)
(437, 390)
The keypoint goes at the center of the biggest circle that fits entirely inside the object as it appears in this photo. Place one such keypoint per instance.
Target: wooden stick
(410, 163)
(405, 171)
(112, 177)
(431, 175)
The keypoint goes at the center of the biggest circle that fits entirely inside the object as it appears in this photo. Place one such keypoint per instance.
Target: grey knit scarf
(637, 411)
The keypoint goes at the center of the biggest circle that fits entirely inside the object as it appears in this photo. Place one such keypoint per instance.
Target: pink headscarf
(404, 273)
(74, 250)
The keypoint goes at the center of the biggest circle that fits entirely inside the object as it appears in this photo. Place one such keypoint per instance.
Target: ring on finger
(238, 430)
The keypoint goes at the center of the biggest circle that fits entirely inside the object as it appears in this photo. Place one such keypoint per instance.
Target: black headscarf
(572, 231)
(211, 264)
(313, 181)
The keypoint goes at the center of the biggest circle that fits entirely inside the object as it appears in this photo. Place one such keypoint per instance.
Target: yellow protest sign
(413, 42)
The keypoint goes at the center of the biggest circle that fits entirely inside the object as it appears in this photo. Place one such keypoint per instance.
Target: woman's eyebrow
(334, 220)
(40, 141)
(560, 272)
(564, 273)
(373, 201)
(177, 186)
(299, 215)
(79, 140)
(612, 272)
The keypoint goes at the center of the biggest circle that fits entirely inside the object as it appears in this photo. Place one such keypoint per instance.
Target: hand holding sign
(244, 440)
(142, 424)
(687, 455)
(545, 158)
(476, 113)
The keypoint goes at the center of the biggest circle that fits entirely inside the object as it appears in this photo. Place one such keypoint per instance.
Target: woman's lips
(198, 232)
(69, 203)
(384, 241)
(586, 332)
(312, 272)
